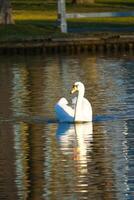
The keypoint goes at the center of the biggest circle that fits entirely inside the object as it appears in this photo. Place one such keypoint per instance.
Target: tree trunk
(6, 12)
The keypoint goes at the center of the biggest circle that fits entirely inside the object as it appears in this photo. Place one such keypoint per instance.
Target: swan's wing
(86, 108)
(63, 111)
(86, 105)
(62, 101)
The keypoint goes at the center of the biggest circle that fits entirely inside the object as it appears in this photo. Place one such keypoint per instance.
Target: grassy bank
(37, 19)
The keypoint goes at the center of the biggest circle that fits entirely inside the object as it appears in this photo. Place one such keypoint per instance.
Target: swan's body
(81, 110)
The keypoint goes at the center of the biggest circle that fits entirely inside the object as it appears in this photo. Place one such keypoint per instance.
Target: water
(41, 159)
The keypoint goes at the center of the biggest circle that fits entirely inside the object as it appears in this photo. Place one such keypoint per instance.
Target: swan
(81, 110)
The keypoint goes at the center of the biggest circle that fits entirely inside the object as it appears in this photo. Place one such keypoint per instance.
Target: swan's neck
(78, 108)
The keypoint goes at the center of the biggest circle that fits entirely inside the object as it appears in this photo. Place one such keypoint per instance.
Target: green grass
(29, 30)
(37, 19)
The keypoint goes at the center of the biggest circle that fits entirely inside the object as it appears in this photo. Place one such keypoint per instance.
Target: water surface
(41, 159)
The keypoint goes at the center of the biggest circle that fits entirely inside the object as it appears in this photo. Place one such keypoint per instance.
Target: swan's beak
(74, 89)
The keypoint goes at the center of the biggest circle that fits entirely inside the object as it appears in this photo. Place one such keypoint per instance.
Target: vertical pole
(62, 15)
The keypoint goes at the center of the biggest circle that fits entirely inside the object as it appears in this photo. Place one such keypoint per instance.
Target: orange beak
(74, 89)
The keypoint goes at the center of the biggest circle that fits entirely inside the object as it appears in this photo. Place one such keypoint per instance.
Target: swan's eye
(75, 87)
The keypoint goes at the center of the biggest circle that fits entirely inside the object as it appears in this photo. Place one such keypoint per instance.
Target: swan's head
(77, 86)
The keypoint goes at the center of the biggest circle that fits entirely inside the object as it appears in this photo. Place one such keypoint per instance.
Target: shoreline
(100, 43)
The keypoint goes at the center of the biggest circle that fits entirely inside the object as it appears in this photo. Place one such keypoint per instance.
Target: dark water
(41, 159)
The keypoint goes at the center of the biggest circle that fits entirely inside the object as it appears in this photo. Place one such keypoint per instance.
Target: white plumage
(80, 111)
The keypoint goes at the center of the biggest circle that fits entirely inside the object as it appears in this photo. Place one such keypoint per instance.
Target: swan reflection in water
(76, 139)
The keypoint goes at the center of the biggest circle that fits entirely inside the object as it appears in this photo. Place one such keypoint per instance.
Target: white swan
(81, 110)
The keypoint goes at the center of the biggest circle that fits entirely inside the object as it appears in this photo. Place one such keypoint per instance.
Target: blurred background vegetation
(35, 19)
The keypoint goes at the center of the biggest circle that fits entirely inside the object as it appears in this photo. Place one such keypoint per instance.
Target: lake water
(41, 159)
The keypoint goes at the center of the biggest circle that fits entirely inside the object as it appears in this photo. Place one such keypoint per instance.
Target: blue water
(43, 159)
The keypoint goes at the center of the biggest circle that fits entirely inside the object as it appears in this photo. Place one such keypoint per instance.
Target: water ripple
(43, 159)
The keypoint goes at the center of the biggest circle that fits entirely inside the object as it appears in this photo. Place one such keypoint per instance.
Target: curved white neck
(78, 108)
